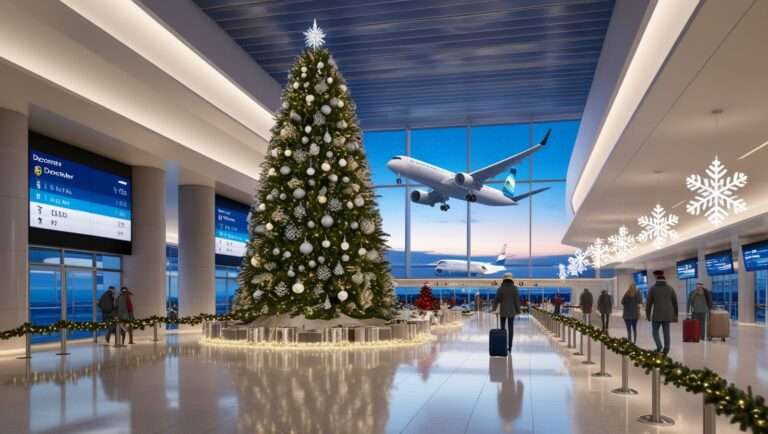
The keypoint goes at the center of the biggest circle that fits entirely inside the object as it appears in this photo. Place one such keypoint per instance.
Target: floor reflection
(509, 391)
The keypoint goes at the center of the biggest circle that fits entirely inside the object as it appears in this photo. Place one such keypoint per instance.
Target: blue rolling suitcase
(497, 341)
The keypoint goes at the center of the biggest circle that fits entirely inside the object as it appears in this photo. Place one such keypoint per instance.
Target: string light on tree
(658, 227)
(716, 194)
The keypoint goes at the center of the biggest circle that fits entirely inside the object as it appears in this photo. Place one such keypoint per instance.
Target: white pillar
(197, 265)
(14, 204)
(746, 285)
(144, 268)
(702, 270)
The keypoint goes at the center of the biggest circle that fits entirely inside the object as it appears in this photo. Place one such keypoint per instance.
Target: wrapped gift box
(357, 334)
(284, 335)
(234, 333)
(336, 334)
(257, 334)
(385, 333)
(311, 336)
(399, 331)
(212, 329)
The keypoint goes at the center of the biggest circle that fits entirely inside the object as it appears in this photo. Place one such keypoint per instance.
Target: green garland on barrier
(744, 408)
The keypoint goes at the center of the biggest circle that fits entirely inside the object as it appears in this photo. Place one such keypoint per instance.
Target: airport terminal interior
(383, 216)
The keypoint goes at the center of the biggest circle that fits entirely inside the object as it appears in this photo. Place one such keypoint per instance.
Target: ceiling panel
(436, 62)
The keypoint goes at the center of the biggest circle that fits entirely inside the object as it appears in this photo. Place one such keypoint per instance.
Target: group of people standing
(117, 306)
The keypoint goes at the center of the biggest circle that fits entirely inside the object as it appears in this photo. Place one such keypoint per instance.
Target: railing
(719, 397)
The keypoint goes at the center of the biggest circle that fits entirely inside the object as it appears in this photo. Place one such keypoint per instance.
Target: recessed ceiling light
(755, 149)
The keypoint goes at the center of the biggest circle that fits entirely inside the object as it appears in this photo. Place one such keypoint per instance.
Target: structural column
(746, 285)
(702, 270)
(13, 223)
(145, 268)
(197, 265)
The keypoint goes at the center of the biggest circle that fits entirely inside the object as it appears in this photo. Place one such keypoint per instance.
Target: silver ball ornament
(342, 295)
(326, 221)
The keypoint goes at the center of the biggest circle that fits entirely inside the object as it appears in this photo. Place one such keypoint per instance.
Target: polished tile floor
(449, 386)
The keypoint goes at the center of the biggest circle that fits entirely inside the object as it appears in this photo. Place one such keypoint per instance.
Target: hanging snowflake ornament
(622, 244)
(600, 253)
(657, 227)
(314, 37)
(715, 195)
(578, 263)
(562, 271)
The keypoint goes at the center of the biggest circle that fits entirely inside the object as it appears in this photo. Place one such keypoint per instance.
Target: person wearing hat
(507, 300)
(661, 310)
(699, 305)
(125, 310)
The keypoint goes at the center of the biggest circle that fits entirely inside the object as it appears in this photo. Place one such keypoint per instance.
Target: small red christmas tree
(425, 300)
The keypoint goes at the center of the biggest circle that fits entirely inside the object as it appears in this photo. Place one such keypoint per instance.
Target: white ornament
(260, 229)
(350, 205)
(600, 253)
(306, 248)
(326, 243)
(325, 167)
(657, 227)
(340, 104)
(716, 195)
(372, 255)
(301, 268)
(562, 271)
(288, 153)
(305, 140)
(312, 264)
(283, 196)
(275, 251)
(303, 69)
(274, 152)
(255, 261)
(295, 84)
(297, 288)
(342, 295)
(271, 172)
(306, 84)
(342, 162)
(622, 244)
(286, 254)
(344, 245)
(359, 201)
(354, 225)
(314, 149)
(361, 251)
(262, 207)
(309, 98)
(333, 177)
(341, 125)
(285, 105)
(358, 278)
(578, 263)
(310, 171)
(320, 65)
(326, 221)
(285, 170)
(308, 129)
(299, 193)
(345, 258)
(290, 272)
(334, 101)
(345, 179)
(327, 137)
(329, 80)
(327, 303)
(326, 109)
(338, 270)
(368, 227)
(311, 224)
(303, 75)
(269, 226)
(343, 88)
(322, 199)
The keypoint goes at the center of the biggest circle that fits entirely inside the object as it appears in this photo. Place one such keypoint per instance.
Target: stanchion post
(709, 419)
(27, 345)
(581, 345)
(589, 353)
(563, 331)
(118, 335)
(624, 389)
(602, 372)
(154, 332)
(656, 418)
(568, 332)
(62, 342)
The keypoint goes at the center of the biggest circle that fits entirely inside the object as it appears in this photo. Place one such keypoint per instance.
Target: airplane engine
(463, 179)
(422, 197)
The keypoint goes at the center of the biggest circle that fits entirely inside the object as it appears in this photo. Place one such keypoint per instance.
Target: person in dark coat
(125, 311)
(631, 310)
(699, 306)
(661, 310)
(557, 301)
(507, 300)
(107, 308)
(605, 307)
(585, 303)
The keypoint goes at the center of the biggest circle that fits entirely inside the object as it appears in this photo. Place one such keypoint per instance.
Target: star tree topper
(314, 37)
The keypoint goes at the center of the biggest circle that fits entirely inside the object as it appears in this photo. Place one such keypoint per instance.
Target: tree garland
(745, 409)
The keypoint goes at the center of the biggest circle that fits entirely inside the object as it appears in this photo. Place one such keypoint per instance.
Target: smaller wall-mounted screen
(755, 256)
(687, 269)
(77, 199)
(640, 278)
(231, 230)
(719, 263)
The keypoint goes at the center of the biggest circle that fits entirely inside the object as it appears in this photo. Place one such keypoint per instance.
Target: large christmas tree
(316, 246)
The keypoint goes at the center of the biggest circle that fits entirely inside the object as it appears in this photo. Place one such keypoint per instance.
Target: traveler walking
(605, 307)
(630, 303)
(107, 308)
(557, 301)
(508, 302)
(699, 305)
(125, 311)
(585, 303)
(661, 310)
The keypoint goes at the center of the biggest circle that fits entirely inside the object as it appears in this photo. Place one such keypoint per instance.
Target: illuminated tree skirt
(419, 339)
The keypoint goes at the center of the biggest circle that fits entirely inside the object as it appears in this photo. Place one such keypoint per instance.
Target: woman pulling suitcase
(507, 301)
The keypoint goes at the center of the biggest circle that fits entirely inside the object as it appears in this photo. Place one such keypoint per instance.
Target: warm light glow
(664, 27)
(755, 149)
(421, 338)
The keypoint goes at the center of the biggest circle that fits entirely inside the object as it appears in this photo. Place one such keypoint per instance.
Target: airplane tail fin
(546, 137)
(502, 258)
(527, 194)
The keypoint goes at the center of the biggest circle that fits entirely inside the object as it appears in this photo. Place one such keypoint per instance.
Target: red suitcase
(691, 330)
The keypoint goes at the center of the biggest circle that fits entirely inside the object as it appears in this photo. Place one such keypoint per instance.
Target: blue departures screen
(719, 263)
(72, 197)
(687, 269)
(231, 227)
(755, 256)
(640, 278)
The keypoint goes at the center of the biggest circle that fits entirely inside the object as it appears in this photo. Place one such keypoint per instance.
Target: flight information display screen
(755, 256)
(231, 227)
(641, 278)
(687, 269)
(719, 263)
(74, 197)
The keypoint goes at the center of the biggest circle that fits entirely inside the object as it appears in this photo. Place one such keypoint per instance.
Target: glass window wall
(761, 293)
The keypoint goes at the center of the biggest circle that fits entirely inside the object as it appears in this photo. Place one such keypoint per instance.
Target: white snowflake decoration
(562, 271)
(622, 244)
(657, 227)
(314, 37)
(600, 253)
(578, 263)
(715, 195)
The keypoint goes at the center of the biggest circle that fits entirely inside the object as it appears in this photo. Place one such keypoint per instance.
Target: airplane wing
(520, 197)
(494, 169)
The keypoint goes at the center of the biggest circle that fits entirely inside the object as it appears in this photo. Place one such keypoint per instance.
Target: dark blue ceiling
(425, 63)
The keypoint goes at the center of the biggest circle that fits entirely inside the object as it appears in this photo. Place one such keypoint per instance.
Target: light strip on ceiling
(665, 25)
(757, 148)
(127, 22)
